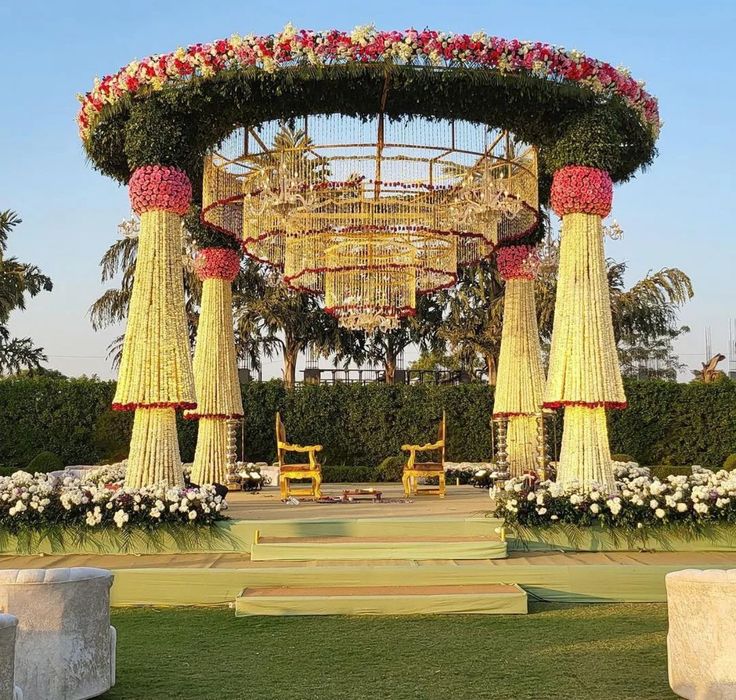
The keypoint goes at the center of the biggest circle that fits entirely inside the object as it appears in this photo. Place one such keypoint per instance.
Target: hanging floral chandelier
(370, 213)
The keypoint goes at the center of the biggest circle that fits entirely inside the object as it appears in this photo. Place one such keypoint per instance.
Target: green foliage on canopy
(177, 125)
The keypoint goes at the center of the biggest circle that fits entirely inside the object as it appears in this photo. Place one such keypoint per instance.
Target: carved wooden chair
(311, 470)
(413, 470)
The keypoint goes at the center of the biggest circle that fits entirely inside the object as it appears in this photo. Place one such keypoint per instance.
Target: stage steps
(488, 599)
(410, 547)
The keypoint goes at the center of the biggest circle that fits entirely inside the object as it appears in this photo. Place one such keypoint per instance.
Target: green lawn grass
(611, 652)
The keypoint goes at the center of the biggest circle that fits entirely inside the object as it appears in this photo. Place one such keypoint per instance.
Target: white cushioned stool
(8, 689)
(701, 642)
(65, 646)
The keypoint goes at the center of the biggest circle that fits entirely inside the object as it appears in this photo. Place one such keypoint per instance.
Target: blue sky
(676, 214)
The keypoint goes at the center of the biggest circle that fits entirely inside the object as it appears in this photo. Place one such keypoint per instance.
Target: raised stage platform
(425, 556)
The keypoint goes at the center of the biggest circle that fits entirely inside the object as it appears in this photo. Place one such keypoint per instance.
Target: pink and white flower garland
(365, 45)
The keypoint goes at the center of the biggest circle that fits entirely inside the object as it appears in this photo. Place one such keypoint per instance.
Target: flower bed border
(176, 538)
(709, 537)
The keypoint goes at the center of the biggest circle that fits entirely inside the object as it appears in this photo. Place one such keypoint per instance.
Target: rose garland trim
(581, 189)
(364, 45)
(176, 405)
(518, 262)
(160, 187)
(217, 263)
(608, 405)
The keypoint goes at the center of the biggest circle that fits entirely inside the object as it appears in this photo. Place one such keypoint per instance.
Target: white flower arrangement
(98, 500)
(638, 501)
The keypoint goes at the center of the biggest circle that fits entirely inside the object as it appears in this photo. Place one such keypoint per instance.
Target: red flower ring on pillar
(517, 262)
(217, 263)
(580, 189)
(160, 187)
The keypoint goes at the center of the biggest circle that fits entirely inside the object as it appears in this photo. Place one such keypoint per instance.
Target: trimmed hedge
(666, 423)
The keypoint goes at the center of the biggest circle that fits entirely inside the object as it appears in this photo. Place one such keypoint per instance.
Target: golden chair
(413, 470)
(312, 470)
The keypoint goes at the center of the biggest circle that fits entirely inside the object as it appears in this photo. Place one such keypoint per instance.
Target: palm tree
(17, 279)
(385, 347)
(644, 316)
(473, 319)
(291, 322)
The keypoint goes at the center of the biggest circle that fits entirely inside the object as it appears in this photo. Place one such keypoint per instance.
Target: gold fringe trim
(585, 456)
(583, 364)
(154, 449)
(210, 458)
(156, 366)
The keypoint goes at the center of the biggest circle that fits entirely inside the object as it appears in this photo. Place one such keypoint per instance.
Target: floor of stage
(267, 505)
(241, 560)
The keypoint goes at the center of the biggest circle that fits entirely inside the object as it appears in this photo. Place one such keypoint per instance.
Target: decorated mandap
(367, 167)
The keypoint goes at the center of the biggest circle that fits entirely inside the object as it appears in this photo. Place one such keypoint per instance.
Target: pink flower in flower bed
(580, 189)
(160, 187)
(517, 262)
(217, 263)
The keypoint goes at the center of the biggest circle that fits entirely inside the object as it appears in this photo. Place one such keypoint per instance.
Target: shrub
(348, 475)
(45, 462)
(622, 457)
(662, 471)
(111, 436)
(391, 468)
(666, 423)
(730, 462)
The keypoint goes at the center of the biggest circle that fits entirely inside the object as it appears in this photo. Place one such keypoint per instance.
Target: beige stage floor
(267, 505)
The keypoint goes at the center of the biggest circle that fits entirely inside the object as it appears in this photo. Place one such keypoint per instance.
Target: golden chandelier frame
(371, 212)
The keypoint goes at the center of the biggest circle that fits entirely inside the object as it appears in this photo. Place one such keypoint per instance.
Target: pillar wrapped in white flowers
(584, 375)
(701, 641)
(519, 385)
(215, 365)
(155, 375)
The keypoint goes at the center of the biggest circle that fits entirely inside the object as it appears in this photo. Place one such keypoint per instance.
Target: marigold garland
(215, 364)
(155, 374)
(585, 455)
(154, 450)
(215, 359)
(520, 380)
(583, 364)
(156, 367)
(210, 457)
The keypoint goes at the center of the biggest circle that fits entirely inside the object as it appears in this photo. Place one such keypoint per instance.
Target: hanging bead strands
(371, 212)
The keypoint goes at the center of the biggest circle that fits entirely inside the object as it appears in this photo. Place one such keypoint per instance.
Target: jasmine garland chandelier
(371, 212)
